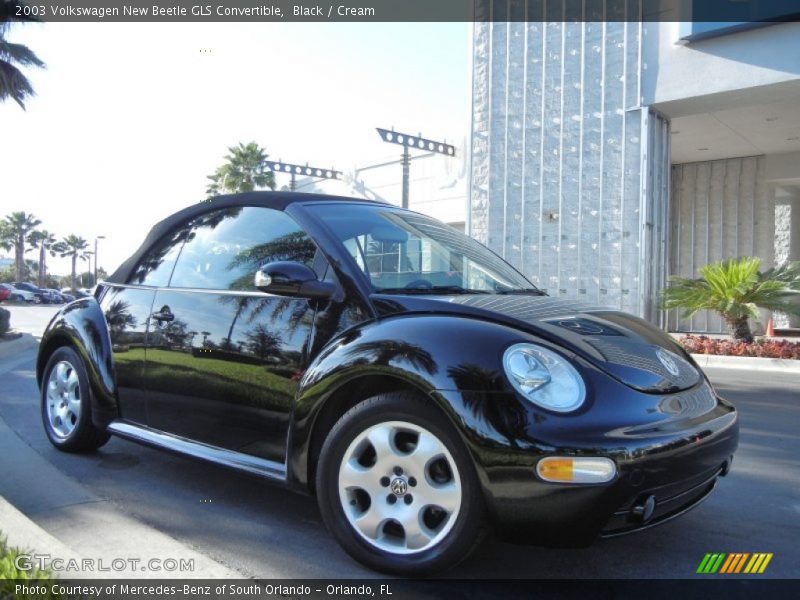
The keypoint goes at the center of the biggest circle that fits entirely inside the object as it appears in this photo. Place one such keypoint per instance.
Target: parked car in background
(40, 296)
(17, 295)
(67, 295)
(410, 378)
(56, 296)
(4, 293)
(78, 293)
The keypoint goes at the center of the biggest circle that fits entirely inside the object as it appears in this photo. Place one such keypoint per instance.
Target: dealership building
(607, 156)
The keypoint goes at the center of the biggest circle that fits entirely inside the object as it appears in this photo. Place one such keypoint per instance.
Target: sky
(129, 119)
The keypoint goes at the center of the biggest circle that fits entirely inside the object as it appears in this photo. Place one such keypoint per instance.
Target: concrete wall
(559, 165)
(674, 71)
(720, 209)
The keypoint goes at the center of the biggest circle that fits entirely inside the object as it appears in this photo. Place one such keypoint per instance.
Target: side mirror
(292, 279)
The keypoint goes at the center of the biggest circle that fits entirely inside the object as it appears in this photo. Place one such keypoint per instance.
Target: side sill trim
(221, 456)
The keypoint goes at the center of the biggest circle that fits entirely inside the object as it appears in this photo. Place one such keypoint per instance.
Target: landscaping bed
(761, 348)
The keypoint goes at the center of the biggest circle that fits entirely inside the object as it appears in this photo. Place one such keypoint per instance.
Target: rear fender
(82, 326)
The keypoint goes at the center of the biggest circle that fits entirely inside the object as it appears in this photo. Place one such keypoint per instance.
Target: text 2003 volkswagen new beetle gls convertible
(411, 379)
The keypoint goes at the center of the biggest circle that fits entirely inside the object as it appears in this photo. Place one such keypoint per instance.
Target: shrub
(763, 348)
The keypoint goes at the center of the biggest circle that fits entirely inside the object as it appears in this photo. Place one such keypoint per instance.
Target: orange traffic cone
(770, 328)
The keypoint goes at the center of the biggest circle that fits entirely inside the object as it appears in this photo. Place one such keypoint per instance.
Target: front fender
(82, 325)
(428, 352)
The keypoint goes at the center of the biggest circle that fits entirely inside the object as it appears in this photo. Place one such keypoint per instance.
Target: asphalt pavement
(261, 530)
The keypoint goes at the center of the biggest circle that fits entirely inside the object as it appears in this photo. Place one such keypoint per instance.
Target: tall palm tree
(18, 225)
(46, 243)
(13, 83)
(736, 289)
(76, 248)
(245, 170)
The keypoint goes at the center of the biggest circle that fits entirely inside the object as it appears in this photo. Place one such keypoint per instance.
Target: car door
(223, 359)
(127, 307)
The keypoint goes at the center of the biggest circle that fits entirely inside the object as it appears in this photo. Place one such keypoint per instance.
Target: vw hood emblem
(670, 361)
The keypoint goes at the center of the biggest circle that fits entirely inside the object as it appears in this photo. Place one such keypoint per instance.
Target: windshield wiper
(436, 289)
(534, 291)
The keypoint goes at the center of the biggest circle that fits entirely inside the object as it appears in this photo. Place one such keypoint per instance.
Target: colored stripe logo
(736, 562)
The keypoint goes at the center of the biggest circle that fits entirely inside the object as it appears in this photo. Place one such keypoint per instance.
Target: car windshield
(404, 252)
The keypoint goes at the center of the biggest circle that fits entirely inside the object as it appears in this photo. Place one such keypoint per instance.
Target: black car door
(223, 359)
(127, 309)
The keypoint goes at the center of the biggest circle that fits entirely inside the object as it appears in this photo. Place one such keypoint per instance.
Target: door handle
(163, 315)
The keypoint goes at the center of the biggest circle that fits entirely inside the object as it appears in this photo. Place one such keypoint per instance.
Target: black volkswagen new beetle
(411, 379)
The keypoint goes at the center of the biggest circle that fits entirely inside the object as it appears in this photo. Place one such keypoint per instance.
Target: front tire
(66, 404)
(398, 489)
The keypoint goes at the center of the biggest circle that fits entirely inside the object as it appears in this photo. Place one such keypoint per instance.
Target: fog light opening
(562, 469)
(726, 468)
(643, 510)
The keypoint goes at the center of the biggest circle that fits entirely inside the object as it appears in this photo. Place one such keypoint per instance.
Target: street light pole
(413, 141)
(406, 175)
(99, 237)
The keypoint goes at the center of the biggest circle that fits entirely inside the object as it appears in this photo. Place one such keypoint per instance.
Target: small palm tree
(46, 243)
(17, 226)
(245, 170)
(736, 289)
(76, 248)
(13, 83)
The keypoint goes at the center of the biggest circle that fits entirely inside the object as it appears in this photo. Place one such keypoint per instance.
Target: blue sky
(130, 118)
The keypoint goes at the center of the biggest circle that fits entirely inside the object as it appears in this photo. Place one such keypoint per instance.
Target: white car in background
(18, 295)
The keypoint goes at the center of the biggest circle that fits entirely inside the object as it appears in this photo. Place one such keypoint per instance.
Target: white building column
(787, 238)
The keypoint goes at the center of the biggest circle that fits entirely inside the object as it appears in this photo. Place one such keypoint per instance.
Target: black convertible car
(411, 379)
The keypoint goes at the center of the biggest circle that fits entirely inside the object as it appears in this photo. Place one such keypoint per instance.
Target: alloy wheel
(399, 487)
(63, 399)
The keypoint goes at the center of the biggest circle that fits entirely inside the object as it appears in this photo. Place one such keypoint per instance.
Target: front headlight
(544, 377)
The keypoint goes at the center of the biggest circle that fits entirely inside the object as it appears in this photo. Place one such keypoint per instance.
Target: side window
(226, 247)
(156, 267)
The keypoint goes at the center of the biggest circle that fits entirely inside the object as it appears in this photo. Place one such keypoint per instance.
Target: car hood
(624, 346)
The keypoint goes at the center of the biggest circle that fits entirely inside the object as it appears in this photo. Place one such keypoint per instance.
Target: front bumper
(665, 467)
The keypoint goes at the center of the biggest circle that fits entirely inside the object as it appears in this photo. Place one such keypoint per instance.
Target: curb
(22, 343)
(751, 363)
(31, 539)
(22, 533)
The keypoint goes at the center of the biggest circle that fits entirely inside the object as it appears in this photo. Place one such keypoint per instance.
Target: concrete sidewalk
(45, 512)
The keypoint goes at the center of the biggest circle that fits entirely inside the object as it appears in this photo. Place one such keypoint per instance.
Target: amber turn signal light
(563, 469)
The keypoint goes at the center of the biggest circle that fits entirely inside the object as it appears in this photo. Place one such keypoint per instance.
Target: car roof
(274, 200)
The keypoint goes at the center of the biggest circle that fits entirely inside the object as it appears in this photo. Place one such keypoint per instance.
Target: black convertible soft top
(274, 200)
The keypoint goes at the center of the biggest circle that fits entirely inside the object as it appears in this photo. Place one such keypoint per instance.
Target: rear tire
(398, 489)
(66, 404)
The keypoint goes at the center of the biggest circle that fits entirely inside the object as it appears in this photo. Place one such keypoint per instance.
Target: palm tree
(75, 247)
(245, 169)
(13, 83)
(384, 352)
(17, 227)
(119, 317)
(736, 289)
(46, 243)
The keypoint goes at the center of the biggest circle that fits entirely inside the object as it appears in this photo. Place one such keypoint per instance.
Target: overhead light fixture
(294, 170)
(770, 119)
(416, 142)
(702, 149)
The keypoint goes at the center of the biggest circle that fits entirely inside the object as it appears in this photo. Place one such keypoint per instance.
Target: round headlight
(544, 377)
